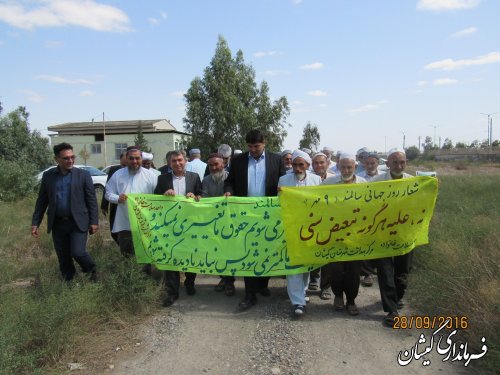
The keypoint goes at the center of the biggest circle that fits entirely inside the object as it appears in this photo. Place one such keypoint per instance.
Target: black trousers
(172, 280)
(70, 243)
(255, 284)
(392, 276)
(367, 268)
(345, 279)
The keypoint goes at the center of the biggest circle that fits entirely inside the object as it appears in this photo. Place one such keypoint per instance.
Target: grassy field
(457, 274)
(45, 323)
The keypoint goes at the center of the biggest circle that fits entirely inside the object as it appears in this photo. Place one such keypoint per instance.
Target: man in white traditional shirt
(195, 164)
(321, 166)
(328, 151)
(371, 167)
(132, 179)
(393, 272)
(345, 275)
(147, 162)
(286, 158)
(297, 284)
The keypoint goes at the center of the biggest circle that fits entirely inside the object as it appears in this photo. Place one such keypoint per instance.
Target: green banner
(246, 236)
(216, 236)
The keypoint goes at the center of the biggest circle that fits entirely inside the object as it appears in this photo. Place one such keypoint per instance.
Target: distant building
(103, 142)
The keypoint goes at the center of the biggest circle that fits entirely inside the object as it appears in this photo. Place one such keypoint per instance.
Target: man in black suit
(254, 173)
(178, 182)
(69, 195)
(105, 203)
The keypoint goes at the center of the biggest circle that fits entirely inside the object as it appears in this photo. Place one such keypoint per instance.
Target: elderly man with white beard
(301, 176)
(393, 272)
(213, 186)
(344, 276)
(371, 167)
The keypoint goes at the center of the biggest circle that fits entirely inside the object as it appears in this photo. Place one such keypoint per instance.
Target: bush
(16, 180)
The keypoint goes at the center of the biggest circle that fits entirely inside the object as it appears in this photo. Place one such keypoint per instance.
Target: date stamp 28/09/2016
(430, 322)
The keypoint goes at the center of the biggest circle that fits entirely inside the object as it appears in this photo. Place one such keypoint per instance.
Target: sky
(367, 73)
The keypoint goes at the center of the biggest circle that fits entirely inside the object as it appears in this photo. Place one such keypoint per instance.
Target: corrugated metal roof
(115, 127)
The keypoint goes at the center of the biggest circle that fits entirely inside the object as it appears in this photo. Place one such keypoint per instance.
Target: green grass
(457, 274)
(46, 325)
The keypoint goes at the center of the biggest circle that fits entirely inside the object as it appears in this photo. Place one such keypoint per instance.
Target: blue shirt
(257, 176)
(63, 194)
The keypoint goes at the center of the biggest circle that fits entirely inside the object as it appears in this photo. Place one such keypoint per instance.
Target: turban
(301, 154)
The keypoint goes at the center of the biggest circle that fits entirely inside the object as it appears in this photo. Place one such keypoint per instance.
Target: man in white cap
(345, 275)
(297, 284)
(286, 158)
(147, 162)
(195, 164)
(360, 158)
(335, 167)
(328, 151)
(393, 272)
(371, 167)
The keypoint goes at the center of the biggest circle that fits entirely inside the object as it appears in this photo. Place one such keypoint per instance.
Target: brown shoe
(325, 294)
(389, 319)
(352, 309)
(367, 280)
(338, 303)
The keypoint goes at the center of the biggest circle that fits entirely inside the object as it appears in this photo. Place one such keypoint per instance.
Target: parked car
(106, 169)
(98, 177)
(382, 167)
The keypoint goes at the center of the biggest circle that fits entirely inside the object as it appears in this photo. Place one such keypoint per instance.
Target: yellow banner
(357, 221)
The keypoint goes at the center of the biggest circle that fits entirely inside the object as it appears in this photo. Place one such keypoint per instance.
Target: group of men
(72, 212)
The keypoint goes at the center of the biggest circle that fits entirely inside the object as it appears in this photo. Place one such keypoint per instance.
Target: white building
(103, 142)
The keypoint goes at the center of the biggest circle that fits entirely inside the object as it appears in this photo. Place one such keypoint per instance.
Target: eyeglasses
(68, 158)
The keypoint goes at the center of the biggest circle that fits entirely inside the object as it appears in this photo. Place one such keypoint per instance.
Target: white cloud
(296, 1)
(464, 33)
(437, 5)
(300, 110)
(449, 64)
(317, 93)
(297, 102)
(1, 42)
(261, 54)
(313, 66)
(322, 106)
(444, 81)
(178, 94)
(58, 13)
(421, 83)
(156, 21)
(369, 107)
(32, 96)
(418, 91)
(63, 80)
(87, 93)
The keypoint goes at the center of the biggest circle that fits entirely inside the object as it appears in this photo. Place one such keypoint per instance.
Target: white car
(106, 169)
(98, 177)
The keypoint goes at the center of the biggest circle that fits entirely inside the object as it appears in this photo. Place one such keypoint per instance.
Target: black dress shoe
(248, 302)
(265, 292)
(169, 300)
(190, 290)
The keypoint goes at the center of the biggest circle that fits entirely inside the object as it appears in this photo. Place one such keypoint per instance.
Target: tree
(310, 137)
(140, 140)
(428, 144)
(495, 143)
(460, 145)
(84, 154)
(23, 153)
(412, 152)
(447, 144)
(226, 103)
(474, 144)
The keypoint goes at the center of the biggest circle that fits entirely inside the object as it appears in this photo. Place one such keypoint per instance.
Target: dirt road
(205, 334)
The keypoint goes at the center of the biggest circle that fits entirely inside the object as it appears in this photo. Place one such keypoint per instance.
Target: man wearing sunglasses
(68, 196)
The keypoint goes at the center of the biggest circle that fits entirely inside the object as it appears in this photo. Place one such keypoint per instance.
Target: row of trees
(23, 153)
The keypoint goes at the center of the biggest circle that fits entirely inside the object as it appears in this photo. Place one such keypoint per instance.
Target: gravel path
(205, 334)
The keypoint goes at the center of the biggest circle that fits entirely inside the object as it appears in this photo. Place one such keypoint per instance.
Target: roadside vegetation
(457, 274)
(46, 323)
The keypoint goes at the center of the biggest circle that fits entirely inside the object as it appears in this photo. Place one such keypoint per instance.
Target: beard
(397, 174)
(347, 178)
(300, 176)
(218, 177)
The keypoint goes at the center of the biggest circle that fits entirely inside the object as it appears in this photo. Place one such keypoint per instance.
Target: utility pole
(419, 143)
(490, 127)
(434, 140)
(104, 138)
(404, 140)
